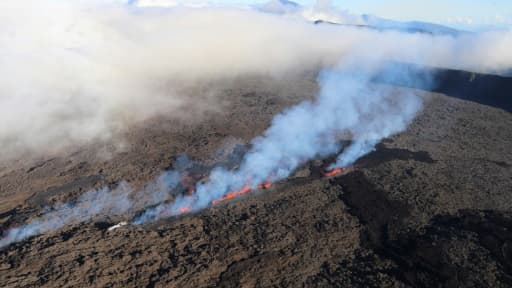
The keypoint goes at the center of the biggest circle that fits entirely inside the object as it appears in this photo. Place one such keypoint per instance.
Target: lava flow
(246, 189)
(184, 210)
(337, 171)
(233, 194)
(265, 185)
(177, 211)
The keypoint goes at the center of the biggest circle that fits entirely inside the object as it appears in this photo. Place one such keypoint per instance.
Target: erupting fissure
(337, 171)
(267, 185)
(246, 189)
(230, 195)
(347, 103)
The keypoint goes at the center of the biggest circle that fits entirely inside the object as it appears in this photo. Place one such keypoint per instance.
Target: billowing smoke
(348, 104)
(76, 73)
(95, 203)
(91, 204)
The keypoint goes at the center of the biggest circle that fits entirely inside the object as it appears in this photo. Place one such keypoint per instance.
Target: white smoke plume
(348, 103)
(89, 205)
(95, 203)
(78, 72)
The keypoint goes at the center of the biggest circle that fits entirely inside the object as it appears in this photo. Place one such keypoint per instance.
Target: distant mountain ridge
(410, 26)
(381, 24)
(321, 14)
(327, 14)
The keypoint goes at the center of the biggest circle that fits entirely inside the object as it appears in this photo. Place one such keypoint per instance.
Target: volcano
(428, 207)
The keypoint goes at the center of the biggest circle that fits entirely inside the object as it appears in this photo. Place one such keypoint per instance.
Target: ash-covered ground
(431, 207)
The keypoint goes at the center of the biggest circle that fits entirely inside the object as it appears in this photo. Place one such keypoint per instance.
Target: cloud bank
(78, 72)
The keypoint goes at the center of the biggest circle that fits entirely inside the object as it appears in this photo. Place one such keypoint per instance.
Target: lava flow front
(337, 171)
(184, 210)
(233, 194)
(265, 185)
(246, 189)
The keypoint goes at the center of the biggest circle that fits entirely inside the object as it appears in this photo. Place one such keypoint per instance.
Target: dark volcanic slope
(487, 89)
(431, 207)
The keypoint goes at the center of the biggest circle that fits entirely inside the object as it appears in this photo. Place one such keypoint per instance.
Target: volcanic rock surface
(431, 207)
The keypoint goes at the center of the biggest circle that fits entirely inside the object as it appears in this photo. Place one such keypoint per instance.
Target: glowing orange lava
(233, 194)
(337, 171)
(246, 189)
(265, 185)
(184, 210)
(187, 182)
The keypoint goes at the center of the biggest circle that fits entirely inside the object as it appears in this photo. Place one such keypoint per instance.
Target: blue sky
(467, 14)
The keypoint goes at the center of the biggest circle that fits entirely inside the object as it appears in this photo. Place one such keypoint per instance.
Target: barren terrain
(431, 207)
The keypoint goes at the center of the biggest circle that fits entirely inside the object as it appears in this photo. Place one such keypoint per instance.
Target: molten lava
(184, 210)
(187, 182)
(246, 189)
(265, 185)
(337, 171)
(176, 211)
(233, 194)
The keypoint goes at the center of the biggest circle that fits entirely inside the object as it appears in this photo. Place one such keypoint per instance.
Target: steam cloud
(76, 73)
(89, 205)
(348, 103)
(82, 71)
(94, 203)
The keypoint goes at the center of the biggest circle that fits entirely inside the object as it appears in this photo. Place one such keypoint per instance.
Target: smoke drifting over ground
(77, 73)
(89, 205)
(347, 104)
(95, 203)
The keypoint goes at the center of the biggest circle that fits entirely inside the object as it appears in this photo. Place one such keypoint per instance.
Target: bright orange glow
(233, 194)
(246, 189)
(337, 171)
(265, 185)
(184, 210)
